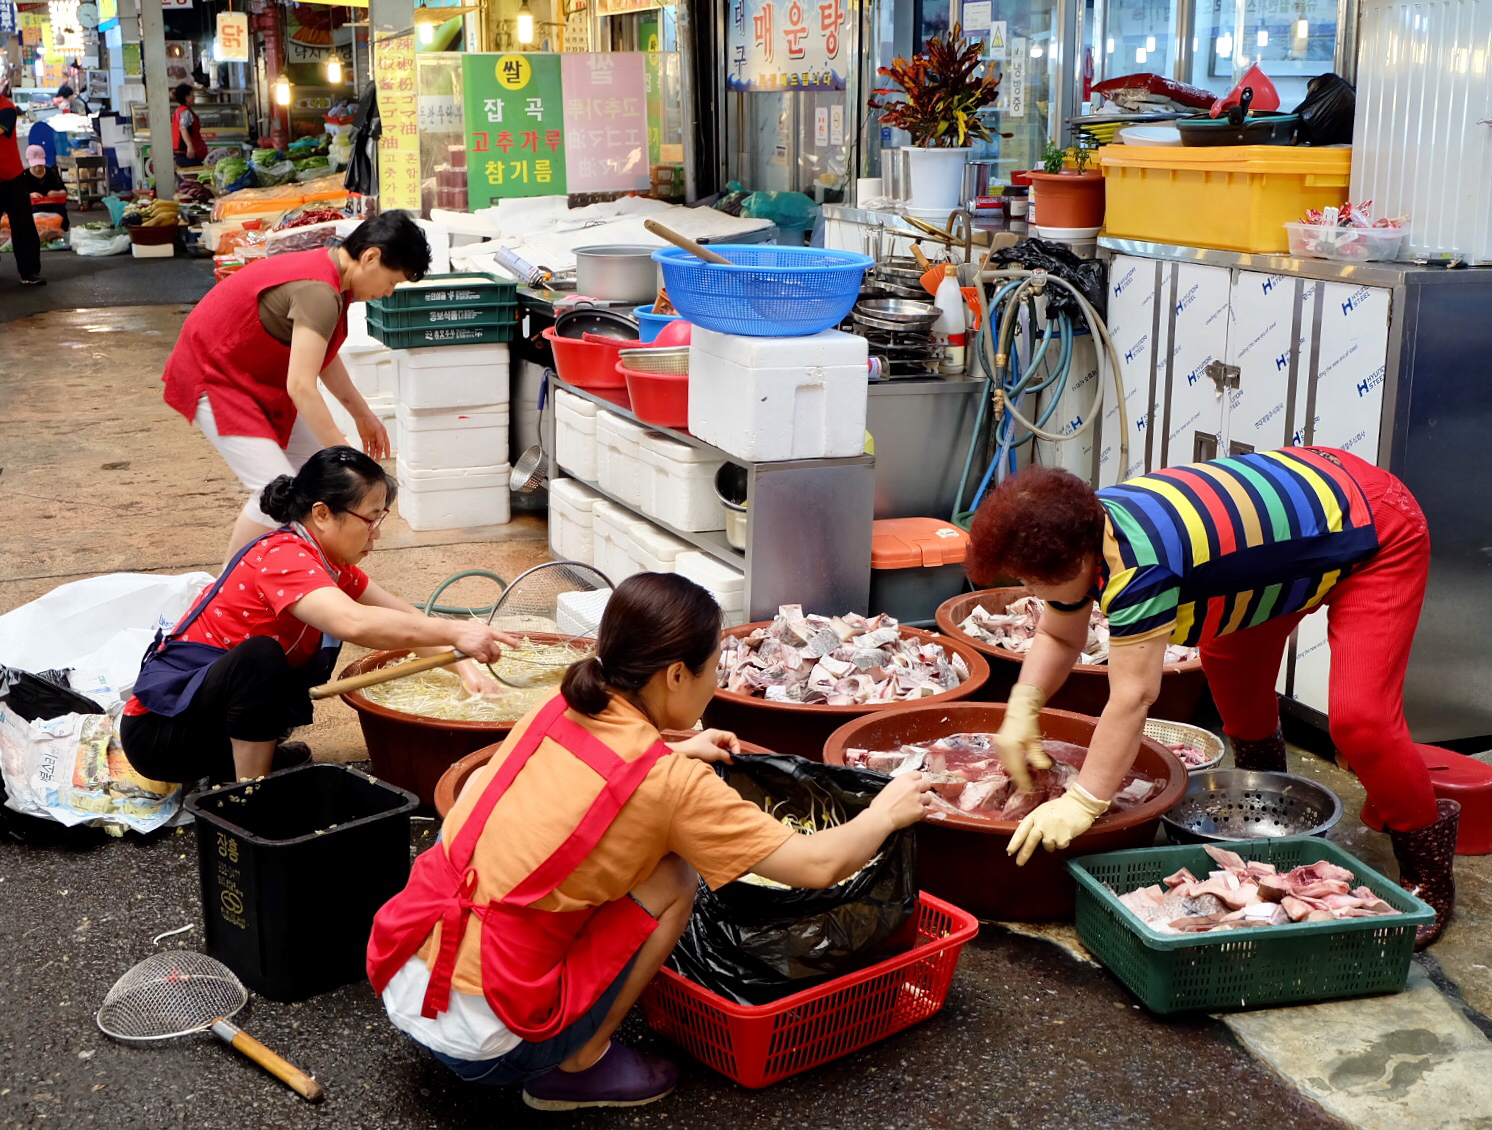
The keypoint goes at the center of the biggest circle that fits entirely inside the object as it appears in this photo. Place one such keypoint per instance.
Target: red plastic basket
(587, 364)
(757, 1045)
(660, 399)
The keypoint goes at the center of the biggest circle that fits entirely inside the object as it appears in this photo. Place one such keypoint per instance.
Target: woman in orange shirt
(567, 869)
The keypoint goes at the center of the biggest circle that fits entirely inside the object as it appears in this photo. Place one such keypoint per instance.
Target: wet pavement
(96, 475)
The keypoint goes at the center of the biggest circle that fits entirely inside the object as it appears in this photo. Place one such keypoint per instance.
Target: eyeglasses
(373, 523)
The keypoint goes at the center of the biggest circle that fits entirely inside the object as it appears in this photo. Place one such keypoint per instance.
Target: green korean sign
(515, 134)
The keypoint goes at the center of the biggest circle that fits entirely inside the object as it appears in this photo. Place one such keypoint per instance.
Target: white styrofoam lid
(454, 356)
(452, 479)
(709, 572)
(676, 450)
(576, 493)
(576, 404)
(580, 612)
(828, 347)
(656, 542)
(435, 419)
(623, 428)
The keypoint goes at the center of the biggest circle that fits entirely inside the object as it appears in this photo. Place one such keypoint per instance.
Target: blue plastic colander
(766, 291)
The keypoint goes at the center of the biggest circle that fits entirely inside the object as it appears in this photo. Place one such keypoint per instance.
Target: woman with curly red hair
(1226, 556)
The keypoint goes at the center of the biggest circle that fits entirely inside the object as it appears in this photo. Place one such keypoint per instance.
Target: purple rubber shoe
(621, 1077)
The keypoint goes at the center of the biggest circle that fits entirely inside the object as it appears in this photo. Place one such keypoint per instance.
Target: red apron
(541, 970)
(225, 351)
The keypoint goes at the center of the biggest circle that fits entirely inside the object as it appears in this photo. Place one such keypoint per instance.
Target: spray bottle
(951, 328)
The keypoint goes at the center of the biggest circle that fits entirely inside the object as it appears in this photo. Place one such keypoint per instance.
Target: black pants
(15, 202)
(251, 694)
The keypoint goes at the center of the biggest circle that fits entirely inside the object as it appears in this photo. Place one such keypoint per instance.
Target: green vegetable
(310, 163)
(230, 169)
(265, 156)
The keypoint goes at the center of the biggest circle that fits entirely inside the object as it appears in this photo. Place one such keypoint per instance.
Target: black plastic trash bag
(362, 171)
(42, 696)
(754, 944)
(1089, 276)
(1328, 111)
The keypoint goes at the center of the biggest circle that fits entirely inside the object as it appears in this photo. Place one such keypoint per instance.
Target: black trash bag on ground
(1327, 114)
(1090, 276)
(755, 944)
(42, 696)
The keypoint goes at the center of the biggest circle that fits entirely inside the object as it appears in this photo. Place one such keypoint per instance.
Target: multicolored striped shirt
(1199, 551)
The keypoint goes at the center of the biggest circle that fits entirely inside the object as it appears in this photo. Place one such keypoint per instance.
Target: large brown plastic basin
(962, 859)
(454, 779)
(413, 750)
(803, 729)
(1086, 690)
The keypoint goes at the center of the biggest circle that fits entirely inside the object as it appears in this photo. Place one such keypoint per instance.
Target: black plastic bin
(294, 866)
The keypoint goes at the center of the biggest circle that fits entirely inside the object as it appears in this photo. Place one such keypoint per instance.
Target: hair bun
(278, 498)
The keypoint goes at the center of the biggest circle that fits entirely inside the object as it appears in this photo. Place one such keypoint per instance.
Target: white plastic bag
(99, 626)
(86, 241)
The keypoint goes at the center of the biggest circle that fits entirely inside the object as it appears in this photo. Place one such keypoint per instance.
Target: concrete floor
(96, 475)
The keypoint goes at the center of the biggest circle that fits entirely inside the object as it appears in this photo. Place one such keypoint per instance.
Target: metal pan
(900, 310)
(582, 320)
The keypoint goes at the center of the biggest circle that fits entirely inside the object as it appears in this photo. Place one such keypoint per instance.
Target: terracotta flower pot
(1067, 200)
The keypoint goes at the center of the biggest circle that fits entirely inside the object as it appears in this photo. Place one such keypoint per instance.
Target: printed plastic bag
(1327, 114)
(754, 944)
(106, 241)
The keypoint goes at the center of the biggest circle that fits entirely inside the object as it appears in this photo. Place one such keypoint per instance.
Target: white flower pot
(935, 177)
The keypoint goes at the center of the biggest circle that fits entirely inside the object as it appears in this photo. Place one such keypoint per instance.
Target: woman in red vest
(566, 870)
(187, 146)
(246, 366)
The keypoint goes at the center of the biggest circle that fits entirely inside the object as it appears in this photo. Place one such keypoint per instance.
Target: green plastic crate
(488, 312)
(1301, 963)
(460, 289)
(422, 337)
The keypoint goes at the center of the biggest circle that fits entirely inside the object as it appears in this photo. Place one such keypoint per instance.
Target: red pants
(1370, 620)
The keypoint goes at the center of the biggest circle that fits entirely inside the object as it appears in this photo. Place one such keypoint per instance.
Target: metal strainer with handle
(1240, 804)
(179, 993)
(532, 603)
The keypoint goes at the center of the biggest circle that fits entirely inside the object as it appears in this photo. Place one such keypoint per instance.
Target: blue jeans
(530, 1060)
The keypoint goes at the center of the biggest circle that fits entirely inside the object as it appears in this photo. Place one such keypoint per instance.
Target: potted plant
(1067, 198)
(941, 95)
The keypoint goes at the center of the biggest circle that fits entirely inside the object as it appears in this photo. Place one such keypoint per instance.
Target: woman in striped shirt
(1227, 556)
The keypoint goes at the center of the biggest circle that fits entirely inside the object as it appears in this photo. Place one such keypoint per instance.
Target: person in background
(68, 99)
(187, 144)
(44, 180)
(1227, 556)
(247, 364)
(567, 868)
(15, 195)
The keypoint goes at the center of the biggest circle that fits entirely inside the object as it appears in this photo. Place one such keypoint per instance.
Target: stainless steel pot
(616, 273)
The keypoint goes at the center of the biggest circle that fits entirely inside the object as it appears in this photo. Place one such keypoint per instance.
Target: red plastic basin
(588, 364)
(1454, 776)
(660, 399)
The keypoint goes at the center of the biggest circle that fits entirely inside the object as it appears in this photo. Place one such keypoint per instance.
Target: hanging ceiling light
(525, 24)
(1036, 51)
(282, 91)
(334, 69)
(427, 34)
(1302, 28)
(1150, 43)
(1139, 55)
(1225, 44)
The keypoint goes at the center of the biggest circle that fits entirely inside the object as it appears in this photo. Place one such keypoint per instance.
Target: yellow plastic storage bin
(1232, 197)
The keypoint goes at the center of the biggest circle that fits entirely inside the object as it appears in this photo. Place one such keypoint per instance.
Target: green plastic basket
(1301, 963)
(444, 291)
(490, 311)
(450, 333)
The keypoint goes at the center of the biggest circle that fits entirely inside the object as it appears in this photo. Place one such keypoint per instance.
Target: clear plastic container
(1347, 245)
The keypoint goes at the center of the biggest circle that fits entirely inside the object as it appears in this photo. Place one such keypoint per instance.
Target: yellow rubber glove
(1019, 739)
(1056, 823)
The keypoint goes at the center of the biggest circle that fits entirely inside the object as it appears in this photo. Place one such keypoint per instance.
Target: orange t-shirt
(682, 807)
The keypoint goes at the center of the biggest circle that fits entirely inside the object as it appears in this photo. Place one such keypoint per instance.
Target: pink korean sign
(606, 122)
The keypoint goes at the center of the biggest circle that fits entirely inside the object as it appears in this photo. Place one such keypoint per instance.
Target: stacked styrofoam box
(579, 613)
(452, 420)
(768, 399)
(619, 456)
(611, 533)
(571, 518)
(374, 373)
(678, 484)
(725, 583)
(575, 434)
(653, 548)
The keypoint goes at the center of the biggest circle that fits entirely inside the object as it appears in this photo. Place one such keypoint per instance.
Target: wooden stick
(685, 242)
(386, 674)
(282, 1069)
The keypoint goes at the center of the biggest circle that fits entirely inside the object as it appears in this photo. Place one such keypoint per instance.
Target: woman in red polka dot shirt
(215, 697)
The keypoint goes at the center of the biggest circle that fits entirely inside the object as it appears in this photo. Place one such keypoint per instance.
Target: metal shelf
(709, 541)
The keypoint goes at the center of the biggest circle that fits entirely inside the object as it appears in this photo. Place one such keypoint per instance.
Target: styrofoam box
(454, 499)
(358, 336)
(453, 376)
(654, 548)
(579, 613)
(571, 521)
(437, 439)
(382, 408)
(619, 456)
(153, 250)
(611, 550)
(725, 583)
(678, 484)
(769, 399)
(575, 434)
(374, 370)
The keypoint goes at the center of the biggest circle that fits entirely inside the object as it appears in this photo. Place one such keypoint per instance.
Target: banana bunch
(161, 214)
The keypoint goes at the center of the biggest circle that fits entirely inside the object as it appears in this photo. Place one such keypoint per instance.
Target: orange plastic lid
(909, 543)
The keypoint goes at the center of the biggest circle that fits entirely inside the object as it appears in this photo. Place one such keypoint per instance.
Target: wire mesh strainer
(551, 597)
(181, 992)
(668, 361)
(1240, 804)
